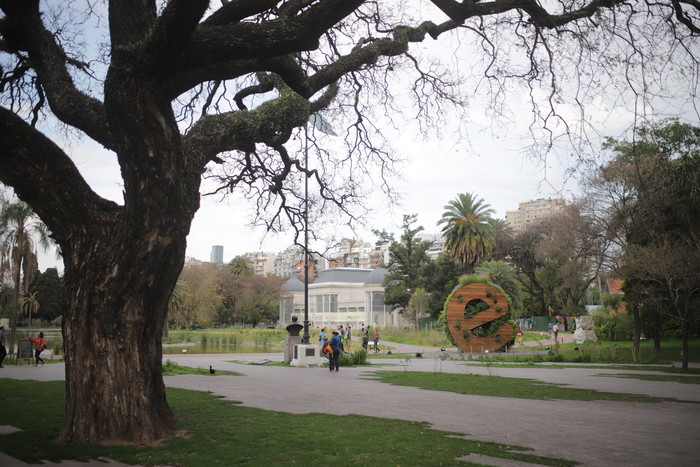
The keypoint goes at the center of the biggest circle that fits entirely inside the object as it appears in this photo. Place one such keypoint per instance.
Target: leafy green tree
(203, 299)
(407, 258)
(440, 277)
(30, 306)
(240, 266)
(557, 259)
(503, 238)
(418, 307)
(648, 199)
(468, 230)
(260, 301)
(48, 287)
(177, 300)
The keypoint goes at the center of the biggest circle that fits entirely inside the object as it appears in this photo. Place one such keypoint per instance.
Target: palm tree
(467, 230)
(30, 304)
(19, 227)
(177, 298)
(506, 277)
(240, 266)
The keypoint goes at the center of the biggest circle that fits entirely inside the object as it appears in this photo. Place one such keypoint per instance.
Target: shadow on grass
(224, 433)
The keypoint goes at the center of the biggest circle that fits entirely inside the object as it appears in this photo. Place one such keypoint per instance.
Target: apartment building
(530, 212)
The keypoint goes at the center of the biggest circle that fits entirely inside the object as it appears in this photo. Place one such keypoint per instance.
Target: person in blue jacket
(334, 362)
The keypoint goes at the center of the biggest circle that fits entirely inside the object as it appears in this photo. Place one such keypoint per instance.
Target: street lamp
(322, 125)
(305, 336)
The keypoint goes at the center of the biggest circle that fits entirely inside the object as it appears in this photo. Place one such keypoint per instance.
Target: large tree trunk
(120, 275)
(117, 300)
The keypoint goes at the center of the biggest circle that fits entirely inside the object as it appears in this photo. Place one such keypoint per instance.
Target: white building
(340, 296)
(530, 212)
(262, 263)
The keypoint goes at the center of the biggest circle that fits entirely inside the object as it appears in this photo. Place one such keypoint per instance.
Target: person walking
(376, 340)
(322, 339)
(3, 343)
(39, 346)
(337, 346)
(555, 330)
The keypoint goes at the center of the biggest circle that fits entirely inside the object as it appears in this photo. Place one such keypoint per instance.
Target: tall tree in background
(468, 230)
(21, 231)
(175, 303)
(48, 288)
(418, 307)
(240, 266)
(440, 277)
(506, 277)
(30, 306)
(557, 259)
(572, 250)
(407, 258)
(186, 88)
(648, 198)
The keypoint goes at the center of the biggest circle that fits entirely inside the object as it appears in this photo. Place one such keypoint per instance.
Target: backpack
(328, 349)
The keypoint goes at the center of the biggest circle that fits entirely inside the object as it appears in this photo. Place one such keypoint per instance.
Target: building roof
(615, 286)
(376, 276)
(347, 275)
(293, 284)
(340, 275)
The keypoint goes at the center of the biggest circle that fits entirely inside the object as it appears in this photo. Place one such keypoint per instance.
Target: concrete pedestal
(306, 355)
(289, 343)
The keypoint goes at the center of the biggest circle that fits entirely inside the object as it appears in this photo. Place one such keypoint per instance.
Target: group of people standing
(340, 341)
(39, 345)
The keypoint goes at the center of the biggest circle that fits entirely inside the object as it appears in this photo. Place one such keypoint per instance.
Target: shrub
(612, 326)
(358, 357)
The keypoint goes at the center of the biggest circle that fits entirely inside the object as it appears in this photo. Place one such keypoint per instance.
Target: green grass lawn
(220, 432)
(607, 352)
(172, 368)
(498, 386)
(557, 366)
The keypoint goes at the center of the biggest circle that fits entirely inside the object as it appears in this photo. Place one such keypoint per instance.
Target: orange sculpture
(462, 321)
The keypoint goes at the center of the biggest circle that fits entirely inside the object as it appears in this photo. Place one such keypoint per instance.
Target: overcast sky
(490, 164)
(471, 155)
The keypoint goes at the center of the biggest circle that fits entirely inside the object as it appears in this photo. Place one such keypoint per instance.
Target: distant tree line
(212, 294)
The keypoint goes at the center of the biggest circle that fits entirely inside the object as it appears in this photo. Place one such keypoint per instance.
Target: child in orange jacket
(39, 346)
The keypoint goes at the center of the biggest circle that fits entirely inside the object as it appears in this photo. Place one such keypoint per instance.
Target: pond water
(248, 347)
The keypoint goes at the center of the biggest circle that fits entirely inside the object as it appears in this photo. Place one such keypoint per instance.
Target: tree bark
(117, 301)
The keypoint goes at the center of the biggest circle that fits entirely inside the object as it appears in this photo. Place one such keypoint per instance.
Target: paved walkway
(595, 433)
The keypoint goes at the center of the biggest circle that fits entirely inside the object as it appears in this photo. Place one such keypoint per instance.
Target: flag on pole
(321, 124)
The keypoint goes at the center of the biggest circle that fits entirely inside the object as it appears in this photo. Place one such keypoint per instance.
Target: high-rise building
(530, 212)
(217, 254)
(263, 263)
